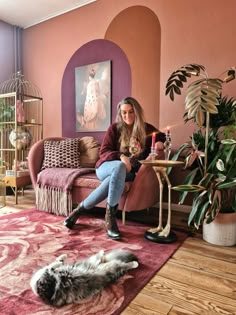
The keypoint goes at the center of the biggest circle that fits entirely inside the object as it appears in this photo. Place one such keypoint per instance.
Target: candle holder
(153, 153)
(167, 145)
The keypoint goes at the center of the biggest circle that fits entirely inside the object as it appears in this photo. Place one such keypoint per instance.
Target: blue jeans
(112, 175)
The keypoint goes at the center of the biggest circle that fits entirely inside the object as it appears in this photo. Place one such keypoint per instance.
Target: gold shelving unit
(21, 125)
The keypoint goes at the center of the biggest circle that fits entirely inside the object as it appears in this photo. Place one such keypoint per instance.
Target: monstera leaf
(202, 96)
(180, 76)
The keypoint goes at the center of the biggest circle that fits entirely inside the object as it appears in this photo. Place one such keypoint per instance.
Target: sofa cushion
(63, 153)
(89, 151)
(91, 181)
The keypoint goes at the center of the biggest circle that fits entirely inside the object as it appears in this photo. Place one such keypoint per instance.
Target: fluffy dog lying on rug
(58, 283)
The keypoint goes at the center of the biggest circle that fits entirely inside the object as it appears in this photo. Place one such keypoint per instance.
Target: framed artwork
(93, 97)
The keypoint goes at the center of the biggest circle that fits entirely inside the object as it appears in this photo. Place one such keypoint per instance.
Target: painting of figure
(93, 97)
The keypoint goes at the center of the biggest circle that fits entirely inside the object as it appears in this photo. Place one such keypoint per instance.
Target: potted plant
(6, 114)
(6, 111)
(210, 155)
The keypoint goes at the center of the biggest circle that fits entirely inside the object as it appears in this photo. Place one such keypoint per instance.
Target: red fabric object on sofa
(140, 194)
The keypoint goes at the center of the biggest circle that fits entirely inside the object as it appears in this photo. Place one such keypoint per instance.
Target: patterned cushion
(64, 153)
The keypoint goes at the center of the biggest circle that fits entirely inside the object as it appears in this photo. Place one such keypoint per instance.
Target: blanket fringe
(53, 200)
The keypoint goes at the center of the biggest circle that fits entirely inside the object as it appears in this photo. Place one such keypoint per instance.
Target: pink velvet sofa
(140, 194)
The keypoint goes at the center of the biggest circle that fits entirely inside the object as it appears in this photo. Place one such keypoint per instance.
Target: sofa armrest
(144, 191)
(36, 157)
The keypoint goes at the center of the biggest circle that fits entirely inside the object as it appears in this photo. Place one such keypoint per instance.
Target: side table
(160, 234)
(17, 182)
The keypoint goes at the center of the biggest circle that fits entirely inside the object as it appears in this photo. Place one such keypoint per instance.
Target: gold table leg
(161, 186)
(166, 230)
(159, 234)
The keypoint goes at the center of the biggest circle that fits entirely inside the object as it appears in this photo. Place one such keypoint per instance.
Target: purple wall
(93, 52)
(7, 56)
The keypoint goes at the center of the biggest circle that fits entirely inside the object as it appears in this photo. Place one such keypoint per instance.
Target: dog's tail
(122, 255)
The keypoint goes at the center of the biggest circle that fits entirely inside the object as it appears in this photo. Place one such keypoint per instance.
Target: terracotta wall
(157, 36)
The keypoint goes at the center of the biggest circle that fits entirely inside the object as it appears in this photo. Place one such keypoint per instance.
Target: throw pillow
(89, 151)
(62, 153)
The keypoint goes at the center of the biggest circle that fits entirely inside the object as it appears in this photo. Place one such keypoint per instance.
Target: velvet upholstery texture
(140, 194)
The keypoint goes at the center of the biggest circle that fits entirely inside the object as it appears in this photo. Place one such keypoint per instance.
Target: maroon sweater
(110, 148)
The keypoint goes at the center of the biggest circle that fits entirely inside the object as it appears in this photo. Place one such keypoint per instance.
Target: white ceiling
(26, 13)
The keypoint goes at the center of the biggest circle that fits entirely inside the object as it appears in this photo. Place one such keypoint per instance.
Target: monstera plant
(210, 155)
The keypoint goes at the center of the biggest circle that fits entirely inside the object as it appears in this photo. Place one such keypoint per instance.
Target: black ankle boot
(110, 222)
(73, 217)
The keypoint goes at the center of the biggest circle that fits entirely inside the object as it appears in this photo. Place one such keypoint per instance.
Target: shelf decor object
(21, 125)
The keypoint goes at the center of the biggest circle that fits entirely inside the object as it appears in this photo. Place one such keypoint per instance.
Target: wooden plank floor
(199, 278)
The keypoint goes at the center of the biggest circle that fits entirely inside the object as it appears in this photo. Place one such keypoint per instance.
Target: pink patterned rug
(31, 239)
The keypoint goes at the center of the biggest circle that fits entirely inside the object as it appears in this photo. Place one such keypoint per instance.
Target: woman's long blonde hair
(138, 131)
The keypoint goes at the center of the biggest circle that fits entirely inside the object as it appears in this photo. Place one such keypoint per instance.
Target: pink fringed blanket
(53, 189)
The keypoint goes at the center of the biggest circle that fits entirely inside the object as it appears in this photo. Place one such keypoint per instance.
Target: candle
(153, 139)
(168, 131)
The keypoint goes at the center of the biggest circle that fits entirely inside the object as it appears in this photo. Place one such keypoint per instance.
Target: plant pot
(222, 231)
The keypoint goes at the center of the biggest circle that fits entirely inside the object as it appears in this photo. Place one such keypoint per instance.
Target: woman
(125, 142)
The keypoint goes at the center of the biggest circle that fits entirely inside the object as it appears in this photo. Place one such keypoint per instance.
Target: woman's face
(127, 114)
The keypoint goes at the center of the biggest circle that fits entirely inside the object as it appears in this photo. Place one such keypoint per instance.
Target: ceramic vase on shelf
(221, 231)
(20, 114)
(20, 138)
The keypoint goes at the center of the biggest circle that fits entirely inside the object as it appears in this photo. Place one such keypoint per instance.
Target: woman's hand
(126, 160)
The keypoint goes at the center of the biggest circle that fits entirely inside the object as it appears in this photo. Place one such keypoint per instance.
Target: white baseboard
(176, 207)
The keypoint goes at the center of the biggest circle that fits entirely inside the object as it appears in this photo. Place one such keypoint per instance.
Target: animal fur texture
(59, 283)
